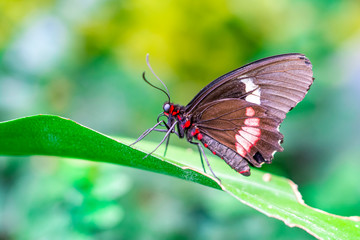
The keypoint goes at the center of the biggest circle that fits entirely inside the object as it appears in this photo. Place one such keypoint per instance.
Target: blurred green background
(83, 59)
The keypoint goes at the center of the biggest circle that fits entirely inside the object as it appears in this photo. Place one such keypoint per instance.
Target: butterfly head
(166, 107)
(172, 109)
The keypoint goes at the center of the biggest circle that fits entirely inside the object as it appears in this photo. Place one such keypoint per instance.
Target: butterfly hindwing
(242, 126)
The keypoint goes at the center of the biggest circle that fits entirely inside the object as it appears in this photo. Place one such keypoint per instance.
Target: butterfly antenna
(155, 86)
(148, 63)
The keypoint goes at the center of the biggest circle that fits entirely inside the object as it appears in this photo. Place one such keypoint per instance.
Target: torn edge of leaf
(299, 198)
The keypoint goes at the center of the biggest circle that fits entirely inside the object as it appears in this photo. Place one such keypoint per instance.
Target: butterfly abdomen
(232, 158)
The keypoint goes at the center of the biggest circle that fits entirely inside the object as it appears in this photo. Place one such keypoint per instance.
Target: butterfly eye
(166, 107)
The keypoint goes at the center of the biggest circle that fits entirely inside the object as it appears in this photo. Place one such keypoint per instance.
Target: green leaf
(272, 195)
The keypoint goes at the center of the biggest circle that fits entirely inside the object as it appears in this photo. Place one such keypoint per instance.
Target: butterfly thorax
(185, 126)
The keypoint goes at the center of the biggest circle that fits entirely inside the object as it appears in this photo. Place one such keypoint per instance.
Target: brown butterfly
(237, 116)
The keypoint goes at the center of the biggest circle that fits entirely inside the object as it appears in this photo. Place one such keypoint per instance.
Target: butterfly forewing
(277, 82)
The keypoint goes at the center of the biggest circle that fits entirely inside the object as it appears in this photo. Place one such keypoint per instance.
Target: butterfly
(237, 116)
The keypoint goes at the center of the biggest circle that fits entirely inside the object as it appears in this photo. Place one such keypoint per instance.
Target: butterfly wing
(243, 109)
(277, 83)
(243, 127)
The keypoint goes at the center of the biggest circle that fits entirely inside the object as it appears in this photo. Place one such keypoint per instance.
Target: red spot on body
(242, 172)
(178, 116)
(250, 112)
(187, 124)
(199, 136)
(205, 145)
(171, 109)
(196, 131)
(253, 122)
(166, 114)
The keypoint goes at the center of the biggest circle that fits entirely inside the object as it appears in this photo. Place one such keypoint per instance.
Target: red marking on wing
(240, 149)
(252, 122)
(243, 142)
(199, 136)
(250, 112)
(214, 152)
(205, 145)
(249, 137)
(252, 130)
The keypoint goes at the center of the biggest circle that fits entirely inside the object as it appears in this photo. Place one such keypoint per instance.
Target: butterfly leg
(166, 145)
(166, 136)
(144, 134)
(201, 158)
(202, 153)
